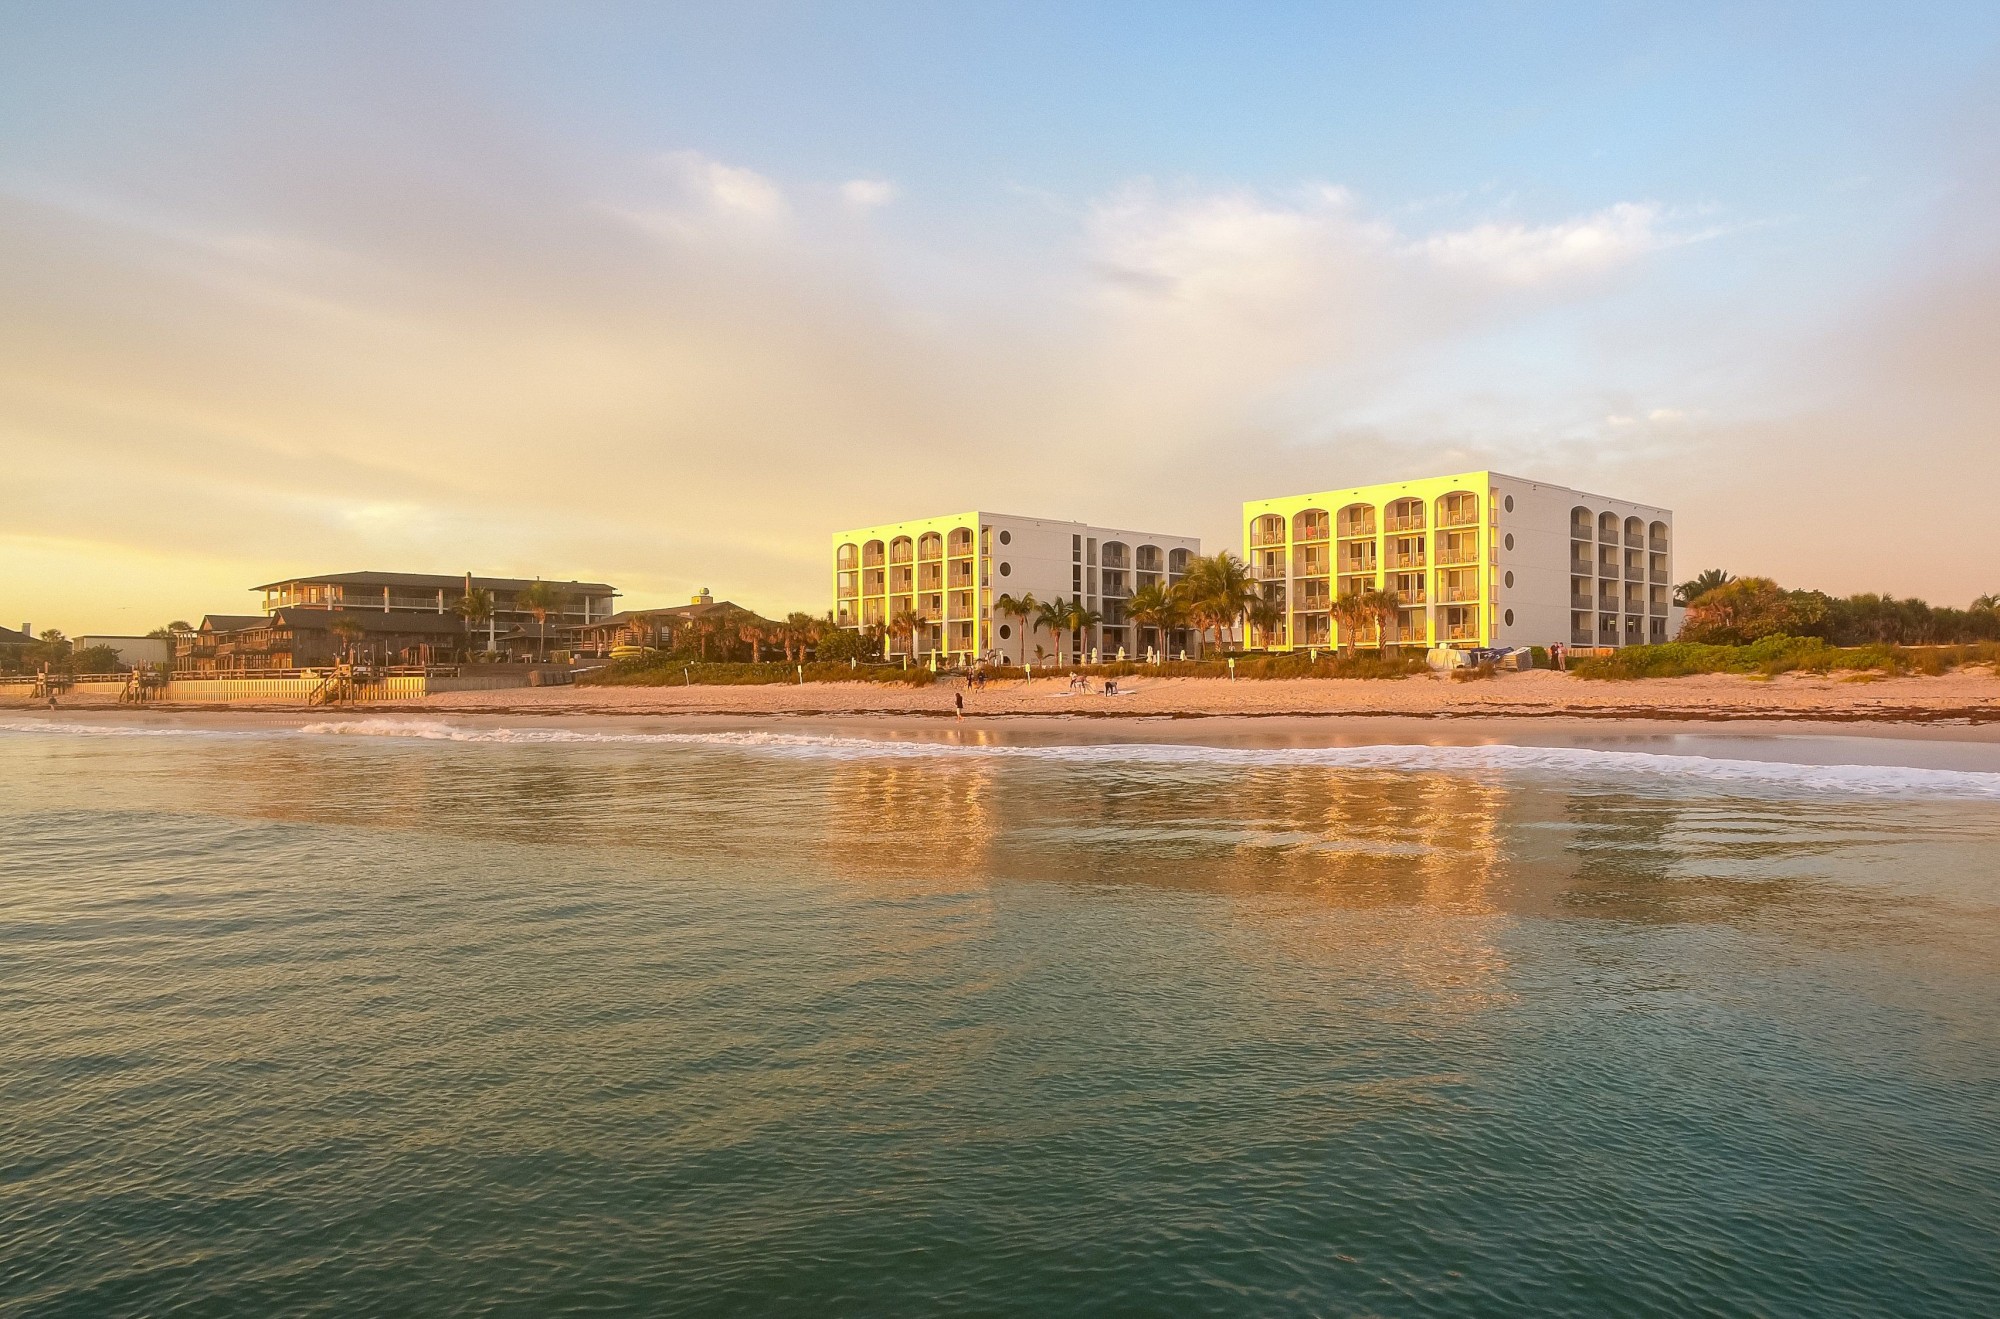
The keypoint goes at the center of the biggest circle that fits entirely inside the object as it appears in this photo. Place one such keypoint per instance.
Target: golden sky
(662, 303)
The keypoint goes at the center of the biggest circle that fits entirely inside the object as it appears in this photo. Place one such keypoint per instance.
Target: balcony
(1462, 632)
(1454, 556)
(1581, 637)
(1458, 517)
(1658, 545)
(1458, 595)
(1635, 539)
(1581, 602)
(1657, 609)
(1262, 536)
(1407, 522)
(1657, 575)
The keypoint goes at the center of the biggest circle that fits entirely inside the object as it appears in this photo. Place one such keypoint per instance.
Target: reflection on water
(367, 1024)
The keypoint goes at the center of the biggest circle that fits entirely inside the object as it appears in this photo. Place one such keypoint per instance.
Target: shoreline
(1963, 698)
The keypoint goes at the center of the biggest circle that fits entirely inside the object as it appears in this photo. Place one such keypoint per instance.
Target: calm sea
(391, 1017)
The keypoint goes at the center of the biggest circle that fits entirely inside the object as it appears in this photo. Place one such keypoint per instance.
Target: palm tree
(904, 627)
(1022, 609)
(1079, 618)
(1053, 615)
(1219, 590)
(1267, 616)
(540, 599)
(182, 628)
(348, 630)
(1382, 608)
(1699, 585)
(796, 633)
(1148, 607)
(1350, 611)
(475, 607)
(1987, 602)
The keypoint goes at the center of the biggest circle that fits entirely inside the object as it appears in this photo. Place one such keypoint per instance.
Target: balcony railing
(1581, 602)
(1581, 637)
(1407, 522)
(1448, 557)
(1365, 531)
(1658, 545)
(1266, 536)
(1462, 632)
(1458, 595)
(1657, 608)
(1458, 518)
(1635, 540)
(1657, 575)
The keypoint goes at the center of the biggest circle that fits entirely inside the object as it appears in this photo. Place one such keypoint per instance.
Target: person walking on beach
(958, 705)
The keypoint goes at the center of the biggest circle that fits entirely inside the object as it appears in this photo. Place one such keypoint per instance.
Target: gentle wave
(1588, 763)
(1873, 780)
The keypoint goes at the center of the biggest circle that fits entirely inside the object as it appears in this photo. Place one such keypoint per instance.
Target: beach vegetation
(1780, 653)
(670, 671)
(1699, 585)
(1742, 610)
(540, 599)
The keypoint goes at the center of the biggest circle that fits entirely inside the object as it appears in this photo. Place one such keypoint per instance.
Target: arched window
(1177, 562)
(1311, 524)
(1658, 531)
(871, 554)
(899, 550)
(1607, 527)
(1635, 532)
(1581, 520)
(1406, 515)
(1148, 559)
(961, 541)
(1460, 508)
(848, 554)
(1357, 520)
(1112, 554)
(1268, 530)
(930, 546)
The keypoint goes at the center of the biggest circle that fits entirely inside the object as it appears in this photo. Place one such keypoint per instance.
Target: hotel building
(583, 603)
(948, 571)
(1477, 560)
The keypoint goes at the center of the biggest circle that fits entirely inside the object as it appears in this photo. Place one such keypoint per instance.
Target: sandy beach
(1965, 696)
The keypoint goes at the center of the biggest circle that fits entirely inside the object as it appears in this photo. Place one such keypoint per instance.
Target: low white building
(133, 652)
(947, 572)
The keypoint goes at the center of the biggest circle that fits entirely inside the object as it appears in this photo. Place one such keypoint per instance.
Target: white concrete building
(948, 571)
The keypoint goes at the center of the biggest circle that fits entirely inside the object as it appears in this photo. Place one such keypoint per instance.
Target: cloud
(1522, 254)
(868, 194)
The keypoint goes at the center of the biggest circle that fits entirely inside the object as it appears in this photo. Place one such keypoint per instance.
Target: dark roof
(669, 613)
(429, 581)
(230, 622)
(9, 637)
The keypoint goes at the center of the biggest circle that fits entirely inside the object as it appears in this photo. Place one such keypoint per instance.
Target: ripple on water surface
(423, 1021)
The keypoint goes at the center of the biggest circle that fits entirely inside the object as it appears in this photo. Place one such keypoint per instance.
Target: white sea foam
(1588, 764)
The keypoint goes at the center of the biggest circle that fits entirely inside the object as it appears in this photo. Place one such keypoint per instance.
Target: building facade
(1478, 559)
(947, 572)
(583, 603)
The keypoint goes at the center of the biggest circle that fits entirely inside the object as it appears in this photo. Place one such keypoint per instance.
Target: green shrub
(654, 672)
(1781, 654)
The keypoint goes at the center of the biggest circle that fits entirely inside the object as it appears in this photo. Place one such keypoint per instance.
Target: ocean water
(391, 1016)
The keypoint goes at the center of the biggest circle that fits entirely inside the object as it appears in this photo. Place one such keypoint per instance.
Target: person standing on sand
(958, 704)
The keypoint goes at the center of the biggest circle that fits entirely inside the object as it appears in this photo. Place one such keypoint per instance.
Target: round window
(1510, 618)
(1005, 631)
(1006, 538)
(1510, 579)
(1510, 540)
(1006, 569)
(1510, 503)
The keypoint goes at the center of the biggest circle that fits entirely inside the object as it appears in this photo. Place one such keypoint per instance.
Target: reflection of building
(1476, 559)
(948, 571)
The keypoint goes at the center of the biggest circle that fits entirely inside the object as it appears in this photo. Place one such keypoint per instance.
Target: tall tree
(1699, 585)
(475, 607)
(540, 599)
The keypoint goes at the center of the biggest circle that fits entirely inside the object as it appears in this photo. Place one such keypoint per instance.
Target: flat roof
(430, 581)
